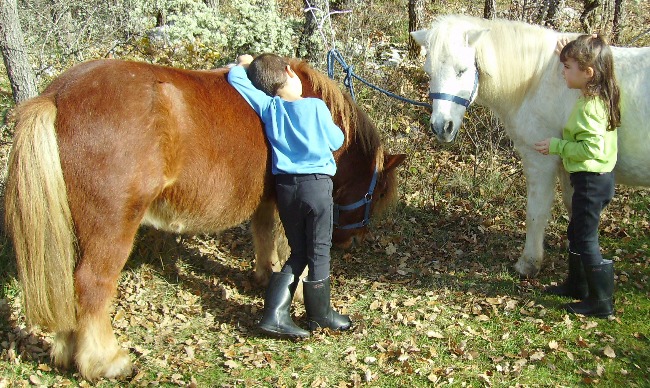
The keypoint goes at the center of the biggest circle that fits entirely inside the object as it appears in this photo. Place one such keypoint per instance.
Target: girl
(588, 150)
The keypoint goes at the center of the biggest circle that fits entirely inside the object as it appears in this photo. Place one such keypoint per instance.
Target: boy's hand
(244, 60)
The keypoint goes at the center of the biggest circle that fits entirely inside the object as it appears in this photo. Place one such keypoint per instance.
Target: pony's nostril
(449, 127)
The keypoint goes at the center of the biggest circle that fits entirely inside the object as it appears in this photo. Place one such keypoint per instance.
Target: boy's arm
(334, 134)
(238, 78)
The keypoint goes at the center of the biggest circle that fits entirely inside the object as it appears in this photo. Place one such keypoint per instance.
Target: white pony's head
(454, 76)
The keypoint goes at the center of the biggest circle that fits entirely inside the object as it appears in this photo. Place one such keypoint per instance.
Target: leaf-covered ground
(432, 295)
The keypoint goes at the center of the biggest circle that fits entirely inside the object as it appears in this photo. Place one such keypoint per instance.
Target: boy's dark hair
(267, 73)
(594, 52)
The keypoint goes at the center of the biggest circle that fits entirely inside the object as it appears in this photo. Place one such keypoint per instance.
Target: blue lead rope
(334, 55)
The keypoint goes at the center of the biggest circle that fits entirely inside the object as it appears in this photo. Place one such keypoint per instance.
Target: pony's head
(453, 71)
(365, 183)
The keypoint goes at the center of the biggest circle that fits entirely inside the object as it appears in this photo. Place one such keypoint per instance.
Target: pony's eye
(460, 73)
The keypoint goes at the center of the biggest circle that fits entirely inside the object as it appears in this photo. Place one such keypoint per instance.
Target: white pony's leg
(540, 174)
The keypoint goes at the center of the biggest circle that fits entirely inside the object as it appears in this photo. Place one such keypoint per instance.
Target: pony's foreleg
(540, 174)
(266, 229)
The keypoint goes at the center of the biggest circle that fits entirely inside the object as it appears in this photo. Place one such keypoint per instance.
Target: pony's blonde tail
(38, 218)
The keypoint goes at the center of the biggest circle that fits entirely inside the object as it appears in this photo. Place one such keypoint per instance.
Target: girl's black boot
(600, 302)
(575, 285)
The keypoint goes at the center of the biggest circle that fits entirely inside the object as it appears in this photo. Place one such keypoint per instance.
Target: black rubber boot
(575, 285)
(277, 303)
(600, 302)
(319, 310)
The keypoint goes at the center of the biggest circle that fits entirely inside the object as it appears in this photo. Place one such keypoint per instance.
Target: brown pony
(111, 145)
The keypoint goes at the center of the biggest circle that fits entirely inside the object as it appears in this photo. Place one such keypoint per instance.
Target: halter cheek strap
(366, 200)
(456, 99)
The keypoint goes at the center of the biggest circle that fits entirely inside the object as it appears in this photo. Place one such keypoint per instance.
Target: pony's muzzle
(444, 130)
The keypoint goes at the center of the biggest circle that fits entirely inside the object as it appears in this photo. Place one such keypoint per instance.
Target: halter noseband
(456, 99)
(366, 200)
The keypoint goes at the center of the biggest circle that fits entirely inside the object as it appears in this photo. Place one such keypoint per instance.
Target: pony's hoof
(262, 278)
(526, 269)
(120, 366)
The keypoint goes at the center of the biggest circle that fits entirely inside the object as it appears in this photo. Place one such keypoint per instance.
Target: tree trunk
(548, 12)
(586, 18)
(212, 4)
(490, 9)
(310, 46)
(416, 8)
(12, 45)
(619, 20)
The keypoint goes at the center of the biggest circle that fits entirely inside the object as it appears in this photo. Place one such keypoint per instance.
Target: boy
(302, 136)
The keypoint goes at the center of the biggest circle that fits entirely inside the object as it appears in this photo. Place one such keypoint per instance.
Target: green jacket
(586, 145)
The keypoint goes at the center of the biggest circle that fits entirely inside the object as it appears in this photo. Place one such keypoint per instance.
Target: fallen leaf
(609, 352)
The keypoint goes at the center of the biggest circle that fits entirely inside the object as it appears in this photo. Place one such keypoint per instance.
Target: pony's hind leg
(97, 352)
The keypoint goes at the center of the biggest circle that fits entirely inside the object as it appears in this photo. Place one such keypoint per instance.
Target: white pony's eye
(460, 73)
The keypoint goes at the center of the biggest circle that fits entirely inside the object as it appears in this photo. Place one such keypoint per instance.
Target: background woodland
(432, 289)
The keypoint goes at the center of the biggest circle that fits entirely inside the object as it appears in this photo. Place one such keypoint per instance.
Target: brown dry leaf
(434, 334)
(35, 380)
(537, 356)
(609, 352)
(231, 364)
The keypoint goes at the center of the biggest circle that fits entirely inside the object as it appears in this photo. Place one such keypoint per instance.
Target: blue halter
(366, 200)
(456, 99)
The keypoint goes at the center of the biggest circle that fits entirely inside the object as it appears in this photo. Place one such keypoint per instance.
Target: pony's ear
(392, 161)
(474, 36)
(420, 37)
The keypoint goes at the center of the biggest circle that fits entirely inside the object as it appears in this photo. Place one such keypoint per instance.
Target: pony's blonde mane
(511, 56)
(345, 111)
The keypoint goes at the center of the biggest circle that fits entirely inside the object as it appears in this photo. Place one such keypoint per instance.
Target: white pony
(512, 68)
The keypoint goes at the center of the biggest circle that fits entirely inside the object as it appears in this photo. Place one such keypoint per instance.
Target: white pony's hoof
(526, 269)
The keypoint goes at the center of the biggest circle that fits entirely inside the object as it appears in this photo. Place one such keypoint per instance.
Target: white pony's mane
(511, 56)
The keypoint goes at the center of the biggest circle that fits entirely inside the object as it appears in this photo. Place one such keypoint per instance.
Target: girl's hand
(561, 42)
(543, 146)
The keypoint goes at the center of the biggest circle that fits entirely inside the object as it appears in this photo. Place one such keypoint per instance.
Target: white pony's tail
(38, 218)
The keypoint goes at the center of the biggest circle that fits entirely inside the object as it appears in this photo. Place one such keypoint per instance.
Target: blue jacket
(302, 133)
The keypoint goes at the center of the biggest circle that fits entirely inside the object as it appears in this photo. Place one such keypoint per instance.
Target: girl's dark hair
(267, 73)
(594, 52)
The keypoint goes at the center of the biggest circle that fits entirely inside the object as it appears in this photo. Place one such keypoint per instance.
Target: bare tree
(214, 4)
(12, 45)
(416, 8)
(310, 46)
(619, 20)
(490, 9)
(547, 13)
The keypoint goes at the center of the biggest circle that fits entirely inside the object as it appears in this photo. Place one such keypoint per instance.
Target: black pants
(592, 193)
(306, 209)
